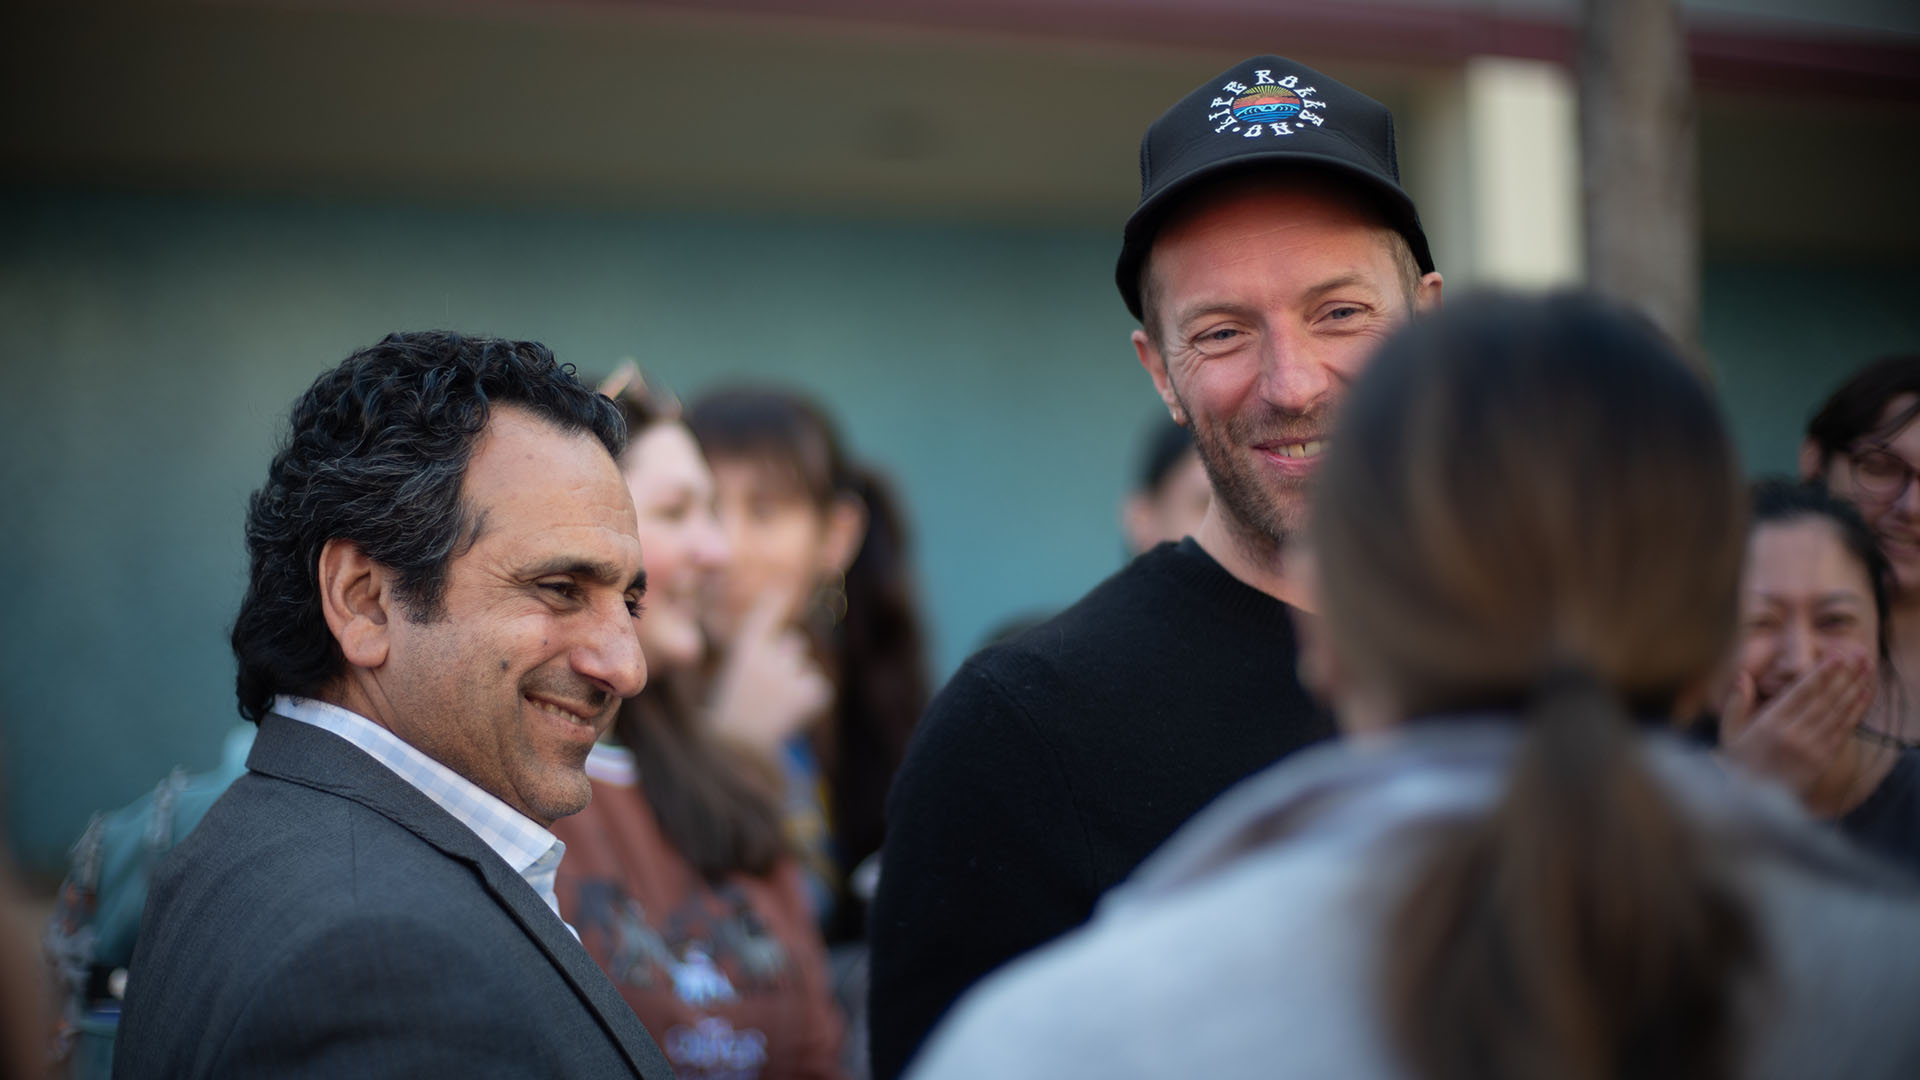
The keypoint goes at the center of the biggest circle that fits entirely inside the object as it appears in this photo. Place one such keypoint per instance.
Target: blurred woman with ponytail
(1527, 541)
(678, 878)
(819, 584)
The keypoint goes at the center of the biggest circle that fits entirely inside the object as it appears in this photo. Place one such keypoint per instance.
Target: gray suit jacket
(328, 919)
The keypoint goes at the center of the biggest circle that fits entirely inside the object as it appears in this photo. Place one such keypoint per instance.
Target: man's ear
(1156, 366)
(1810, 462)
(846, 531)
(357, 598)
(1426, 295)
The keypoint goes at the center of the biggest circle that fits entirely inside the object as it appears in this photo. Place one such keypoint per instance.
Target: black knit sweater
(1052, 764)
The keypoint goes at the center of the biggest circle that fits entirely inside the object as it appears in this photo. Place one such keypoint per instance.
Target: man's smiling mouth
(573, 714)
(1313, 448)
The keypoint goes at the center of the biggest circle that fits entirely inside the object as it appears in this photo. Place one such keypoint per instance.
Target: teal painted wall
(153, 343)
(1783, 336)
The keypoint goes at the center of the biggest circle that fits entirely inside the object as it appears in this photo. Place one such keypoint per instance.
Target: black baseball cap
(1263, 112)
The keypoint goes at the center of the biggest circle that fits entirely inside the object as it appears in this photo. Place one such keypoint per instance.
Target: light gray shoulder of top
(1347, 793)
(1306, 799)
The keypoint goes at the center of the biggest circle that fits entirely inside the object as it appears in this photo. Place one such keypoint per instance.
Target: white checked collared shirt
(533, 852)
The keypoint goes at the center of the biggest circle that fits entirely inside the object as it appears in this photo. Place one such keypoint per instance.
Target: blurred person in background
(678, 876)
(95, 923)
(439, 622)
(1864, 445)
(820, 573)
(1272, 250)
(1512, 867)
(1170, 494)
(1814, 695)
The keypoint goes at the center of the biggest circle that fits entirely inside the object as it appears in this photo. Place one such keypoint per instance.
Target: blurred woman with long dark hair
(1528, 538)
(819, 555)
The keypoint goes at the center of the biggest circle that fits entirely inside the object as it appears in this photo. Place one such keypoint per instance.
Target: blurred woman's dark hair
(1780, 501)
(1852, 412)
(1533, 507)
(876, 651)
(713, 804)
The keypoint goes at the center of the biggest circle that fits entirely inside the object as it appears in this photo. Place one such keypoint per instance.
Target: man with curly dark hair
(438, 624)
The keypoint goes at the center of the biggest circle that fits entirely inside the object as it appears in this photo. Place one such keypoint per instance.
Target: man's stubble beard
(1260, 515)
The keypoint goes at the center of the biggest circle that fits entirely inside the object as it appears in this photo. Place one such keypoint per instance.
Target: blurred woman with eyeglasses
(1864, 446)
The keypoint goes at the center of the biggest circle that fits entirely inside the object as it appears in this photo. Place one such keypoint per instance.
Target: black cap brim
(1144, 224)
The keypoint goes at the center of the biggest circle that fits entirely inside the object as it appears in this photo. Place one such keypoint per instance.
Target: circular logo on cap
(1266, 106)
(1264, 103)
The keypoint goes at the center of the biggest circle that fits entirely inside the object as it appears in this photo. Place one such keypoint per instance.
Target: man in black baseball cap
(1272, 250)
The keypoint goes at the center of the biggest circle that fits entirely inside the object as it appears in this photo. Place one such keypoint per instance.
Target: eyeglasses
(1880, 473)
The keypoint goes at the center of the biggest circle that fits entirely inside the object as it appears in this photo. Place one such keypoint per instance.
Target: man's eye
(1341, 314)
(636, 607)
(566, 589)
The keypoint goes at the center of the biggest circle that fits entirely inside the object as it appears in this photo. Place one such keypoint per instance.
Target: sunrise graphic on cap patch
(1264, 103)
(1268, 105)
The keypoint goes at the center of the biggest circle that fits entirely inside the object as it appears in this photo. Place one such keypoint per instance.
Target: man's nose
(610, 652)
(1292, 379)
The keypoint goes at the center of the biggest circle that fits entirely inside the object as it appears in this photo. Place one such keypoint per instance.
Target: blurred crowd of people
(1460, 710)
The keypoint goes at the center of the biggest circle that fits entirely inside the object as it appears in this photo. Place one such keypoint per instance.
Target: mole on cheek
(503, 665)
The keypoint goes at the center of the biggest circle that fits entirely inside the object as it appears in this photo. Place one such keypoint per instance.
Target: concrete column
(1491, 152)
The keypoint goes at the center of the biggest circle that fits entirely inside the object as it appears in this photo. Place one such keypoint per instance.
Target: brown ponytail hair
(1532, 506)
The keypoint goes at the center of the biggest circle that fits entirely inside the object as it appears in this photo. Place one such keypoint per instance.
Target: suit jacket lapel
(304, 754)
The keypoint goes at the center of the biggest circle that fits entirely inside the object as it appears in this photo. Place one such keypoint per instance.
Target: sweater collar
(1189, 564)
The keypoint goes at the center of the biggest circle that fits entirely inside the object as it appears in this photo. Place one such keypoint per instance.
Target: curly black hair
(376, 452)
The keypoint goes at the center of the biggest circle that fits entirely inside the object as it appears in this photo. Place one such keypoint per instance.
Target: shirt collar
(612, 764)
(532, 851)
